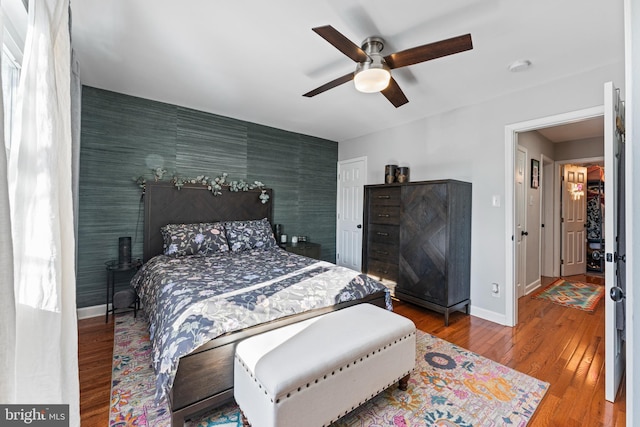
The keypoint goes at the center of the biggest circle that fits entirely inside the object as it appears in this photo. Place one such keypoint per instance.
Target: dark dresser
(418, 236)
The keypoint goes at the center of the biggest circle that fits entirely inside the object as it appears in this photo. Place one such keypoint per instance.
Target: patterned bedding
(191, 300)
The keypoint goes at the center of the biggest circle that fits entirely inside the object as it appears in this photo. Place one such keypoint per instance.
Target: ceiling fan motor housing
(378, 73)
(372, 45)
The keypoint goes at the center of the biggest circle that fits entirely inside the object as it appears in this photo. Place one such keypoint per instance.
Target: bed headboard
(165, 204)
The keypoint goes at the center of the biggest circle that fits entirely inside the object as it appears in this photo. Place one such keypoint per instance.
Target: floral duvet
(191, 300)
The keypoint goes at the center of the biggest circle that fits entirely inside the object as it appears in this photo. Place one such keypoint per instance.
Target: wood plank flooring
(95, 358)
(562, 346)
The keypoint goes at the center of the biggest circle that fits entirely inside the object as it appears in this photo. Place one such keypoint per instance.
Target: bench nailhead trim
(379, 350)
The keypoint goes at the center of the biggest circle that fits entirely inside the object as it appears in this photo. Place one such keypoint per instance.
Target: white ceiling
(253, 59)
(584, 129)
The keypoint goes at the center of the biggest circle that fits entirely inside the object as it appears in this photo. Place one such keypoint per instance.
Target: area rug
(583, 296)
(449, 387)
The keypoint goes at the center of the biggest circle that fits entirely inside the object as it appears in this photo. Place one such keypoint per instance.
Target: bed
(201, 378)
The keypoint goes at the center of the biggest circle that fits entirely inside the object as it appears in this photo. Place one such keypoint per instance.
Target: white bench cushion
(319, 368)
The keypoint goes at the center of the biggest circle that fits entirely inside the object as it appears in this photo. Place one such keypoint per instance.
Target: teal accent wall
(123, 136)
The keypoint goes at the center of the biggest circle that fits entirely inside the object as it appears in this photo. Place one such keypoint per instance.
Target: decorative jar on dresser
(418, 237)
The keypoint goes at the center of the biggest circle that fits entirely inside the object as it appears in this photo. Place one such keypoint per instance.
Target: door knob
(616, 294)
(359, 226)
(524, 233)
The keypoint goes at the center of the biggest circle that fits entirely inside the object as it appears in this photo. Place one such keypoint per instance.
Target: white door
(521, 219)
(574, 220)
(614, 249)
(351, 179)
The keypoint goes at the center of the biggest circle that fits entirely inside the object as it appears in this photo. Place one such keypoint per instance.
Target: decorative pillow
(252, 234)
(194, 239)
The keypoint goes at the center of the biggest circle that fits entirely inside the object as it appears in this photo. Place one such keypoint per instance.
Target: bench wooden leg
(245, 422)
(403, 384)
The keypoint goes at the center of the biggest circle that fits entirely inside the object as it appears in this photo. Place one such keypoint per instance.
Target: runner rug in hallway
(583, 296)
(450, 386)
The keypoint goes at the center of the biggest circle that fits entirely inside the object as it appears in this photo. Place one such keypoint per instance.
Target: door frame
(632, 183)
(511, 139)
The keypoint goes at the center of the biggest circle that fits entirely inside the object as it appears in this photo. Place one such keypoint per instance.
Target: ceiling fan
(373, 71)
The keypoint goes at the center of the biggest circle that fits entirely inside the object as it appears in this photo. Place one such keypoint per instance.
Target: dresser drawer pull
(383, 215)
(380, 233)
(384, 197)
(382, 271)
(382, 252)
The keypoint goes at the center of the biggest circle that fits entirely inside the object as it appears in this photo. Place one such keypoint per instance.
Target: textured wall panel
(274, 157)
(318, 171)
(118, 134)
(302, 171)
(206, 143)
(124, 136)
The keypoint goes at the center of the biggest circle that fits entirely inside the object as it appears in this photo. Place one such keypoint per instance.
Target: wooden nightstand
(308, 249)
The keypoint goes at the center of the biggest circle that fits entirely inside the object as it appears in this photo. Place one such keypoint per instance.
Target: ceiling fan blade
(429, 51)
(341, 43)
(394, 94)
(333, 83)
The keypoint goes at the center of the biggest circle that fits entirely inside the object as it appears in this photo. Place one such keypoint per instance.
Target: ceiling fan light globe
(372, 80)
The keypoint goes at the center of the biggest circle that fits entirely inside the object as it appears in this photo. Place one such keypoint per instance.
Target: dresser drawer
(387, 252)
(384, 215)
(382, 270)
(385, 234)
(384, 196)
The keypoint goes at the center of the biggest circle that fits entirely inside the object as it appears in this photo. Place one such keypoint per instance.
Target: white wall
(580, 149)
(632, 97)
(469, 144)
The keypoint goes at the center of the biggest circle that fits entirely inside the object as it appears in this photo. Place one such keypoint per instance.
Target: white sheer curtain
(40, 191)
(7, 299)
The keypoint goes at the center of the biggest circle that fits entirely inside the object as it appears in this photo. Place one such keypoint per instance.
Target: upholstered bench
(313, 372)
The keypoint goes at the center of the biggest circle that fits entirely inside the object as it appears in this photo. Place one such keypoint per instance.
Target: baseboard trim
(532, 287)
(489, 315)
(93, 311)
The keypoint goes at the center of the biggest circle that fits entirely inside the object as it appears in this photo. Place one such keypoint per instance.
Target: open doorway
(514, 137)
(596, 204)
(551, 207)
(592, 196)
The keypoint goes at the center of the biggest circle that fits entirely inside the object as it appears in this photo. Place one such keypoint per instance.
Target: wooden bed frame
(204, 379)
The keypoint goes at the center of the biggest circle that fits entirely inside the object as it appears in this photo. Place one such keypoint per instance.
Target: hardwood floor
(562, 346)
(95, 356)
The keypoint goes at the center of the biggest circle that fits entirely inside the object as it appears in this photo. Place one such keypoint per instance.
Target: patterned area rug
(583, 296)
(450, 386)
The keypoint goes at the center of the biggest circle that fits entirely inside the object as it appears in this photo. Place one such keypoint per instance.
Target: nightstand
(112, 268)
(308, 249)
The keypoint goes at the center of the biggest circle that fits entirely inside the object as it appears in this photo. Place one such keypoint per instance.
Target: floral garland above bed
(215, 185)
